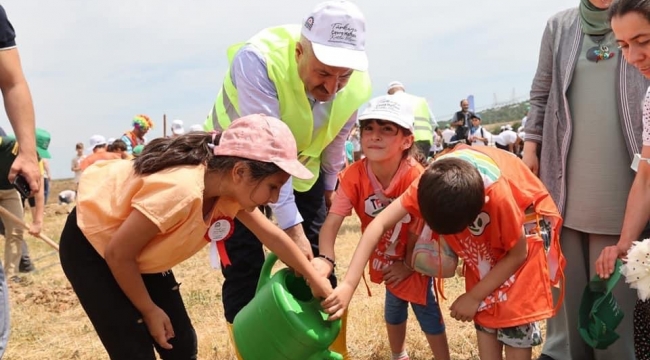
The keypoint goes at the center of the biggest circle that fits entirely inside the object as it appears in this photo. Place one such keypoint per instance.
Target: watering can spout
(326, 355)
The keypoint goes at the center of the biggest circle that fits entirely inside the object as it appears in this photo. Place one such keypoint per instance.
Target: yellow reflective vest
(278, 46)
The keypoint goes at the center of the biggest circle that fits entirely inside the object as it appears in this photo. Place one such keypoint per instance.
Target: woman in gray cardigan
(584, 127)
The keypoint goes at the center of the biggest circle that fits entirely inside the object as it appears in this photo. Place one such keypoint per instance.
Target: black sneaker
(26, 267)
(545, 357)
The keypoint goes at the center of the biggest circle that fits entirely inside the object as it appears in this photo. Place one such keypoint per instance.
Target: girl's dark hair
(624, 7)
(193, 149)
(451, 195)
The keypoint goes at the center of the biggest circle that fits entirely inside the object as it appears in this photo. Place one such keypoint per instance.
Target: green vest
(423, 127)
(278, 46)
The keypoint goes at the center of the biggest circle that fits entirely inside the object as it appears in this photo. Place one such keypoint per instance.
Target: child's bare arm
(326, 241)
(504, 269)
(337, 302)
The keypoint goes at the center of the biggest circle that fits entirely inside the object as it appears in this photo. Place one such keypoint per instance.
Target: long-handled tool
(20, 221)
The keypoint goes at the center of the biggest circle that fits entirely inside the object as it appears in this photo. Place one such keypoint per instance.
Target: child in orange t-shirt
(482, 200)
(368, 186)
(135, 220)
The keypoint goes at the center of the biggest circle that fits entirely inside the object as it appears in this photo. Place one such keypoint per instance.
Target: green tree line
(504, 114)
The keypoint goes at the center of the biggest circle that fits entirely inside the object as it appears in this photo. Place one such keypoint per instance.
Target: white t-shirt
(447, 134)
(506, 137)
(68, 195)
(437, 143)
(481, 132)
(75, 163)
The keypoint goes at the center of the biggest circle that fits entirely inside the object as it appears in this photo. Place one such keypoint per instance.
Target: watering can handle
(265, 274)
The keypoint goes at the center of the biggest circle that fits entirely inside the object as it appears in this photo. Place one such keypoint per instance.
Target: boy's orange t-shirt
(356, 191)
(526, 296)
(172, 199)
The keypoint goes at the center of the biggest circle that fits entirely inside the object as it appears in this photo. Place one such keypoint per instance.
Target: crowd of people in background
(465, 127)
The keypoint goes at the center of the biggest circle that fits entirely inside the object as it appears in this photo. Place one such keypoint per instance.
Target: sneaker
(26, 267)
(16, 279)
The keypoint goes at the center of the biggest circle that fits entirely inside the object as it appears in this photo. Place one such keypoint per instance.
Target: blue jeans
(4, 313)
(429, 316)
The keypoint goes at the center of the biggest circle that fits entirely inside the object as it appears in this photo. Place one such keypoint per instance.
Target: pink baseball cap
(263, 138)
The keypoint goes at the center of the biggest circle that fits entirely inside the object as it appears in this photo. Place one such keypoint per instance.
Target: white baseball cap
(395, 84)
(337, 32)
(396, 109)
(110, 141)
(177, 127)
(96, 140)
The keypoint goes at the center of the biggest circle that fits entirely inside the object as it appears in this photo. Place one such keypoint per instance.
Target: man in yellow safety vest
(313, 77)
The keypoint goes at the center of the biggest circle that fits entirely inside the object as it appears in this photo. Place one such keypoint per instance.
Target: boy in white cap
(312, 76)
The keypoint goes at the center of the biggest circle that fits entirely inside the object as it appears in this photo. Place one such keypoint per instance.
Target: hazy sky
(93, 65)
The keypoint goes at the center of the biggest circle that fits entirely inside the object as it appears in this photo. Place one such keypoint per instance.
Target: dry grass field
(47, 321)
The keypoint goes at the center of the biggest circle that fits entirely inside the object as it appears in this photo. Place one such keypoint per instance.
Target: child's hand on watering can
(320, 287)
(338, 301)
(160, 327)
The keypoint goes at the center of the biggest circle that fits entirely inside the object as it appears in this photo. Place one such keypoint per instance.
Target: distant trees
(501, 115)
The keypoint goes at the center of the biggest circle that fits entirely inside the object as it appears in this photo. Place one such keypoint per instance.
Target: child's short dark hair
(118, 145)
(451, 195)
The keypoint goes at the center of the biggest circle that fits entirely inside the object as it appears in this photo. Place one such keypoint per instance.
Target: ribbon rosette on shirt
(220, 230)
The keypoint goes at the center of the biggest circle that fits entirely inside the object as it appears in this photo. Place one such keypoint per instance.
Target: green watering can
(284, 321)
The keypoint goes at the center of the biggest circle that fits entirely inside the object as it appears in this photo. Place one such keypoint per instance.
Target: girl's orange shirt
(172, 199)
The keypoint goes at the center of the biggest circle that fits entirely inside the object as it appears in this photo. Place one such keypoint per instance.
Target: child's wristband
(331, 261)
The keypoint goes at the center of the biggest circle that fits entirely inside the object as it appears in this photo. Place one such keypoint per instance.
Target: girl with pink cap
(135, 220)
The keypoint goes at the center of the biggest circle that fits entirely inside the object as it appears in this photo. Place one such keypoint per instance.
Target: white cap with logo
(337, 32)
(394, 108)
(177, 127)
